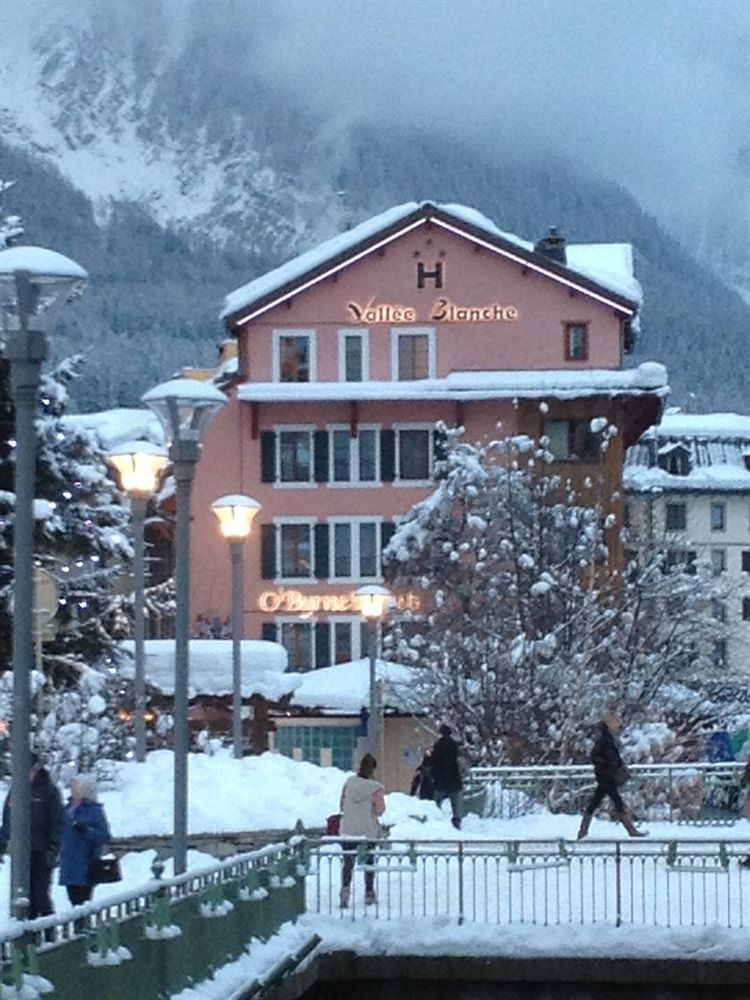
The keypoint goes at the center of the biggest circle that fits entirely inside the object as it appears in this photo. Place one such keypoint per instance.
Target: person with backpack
(362, 803)
(423, 784)
(611, 774)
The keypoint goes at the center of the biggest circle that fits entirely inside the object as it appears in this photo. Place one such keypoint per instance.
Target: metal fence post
(460, 882)
(618, 886)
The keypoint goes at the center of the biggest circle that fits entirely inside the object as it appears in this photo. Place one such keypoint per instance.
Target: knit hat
(445, 730)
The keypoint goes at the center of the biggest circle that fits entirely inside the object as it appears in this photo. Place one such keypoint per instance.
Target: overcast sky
(654, 94)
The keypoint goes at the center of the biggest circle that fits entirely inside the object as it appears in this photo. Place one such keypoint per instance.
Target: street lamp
(34, 285)
(185, 408)
(235, 513)
(373, 601)
(138, 464)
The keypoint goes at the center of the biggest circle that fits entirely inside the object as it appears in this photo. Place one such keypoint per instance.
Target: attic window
(576, 341)
(674, 459)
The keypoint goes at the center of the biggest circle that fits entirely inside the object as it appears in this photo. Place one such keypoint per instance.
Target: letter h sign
(435, 275)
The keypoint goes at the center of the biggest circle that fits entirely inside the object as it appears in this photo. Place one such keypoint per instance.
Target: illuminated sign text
(442, 311)
(296, 603)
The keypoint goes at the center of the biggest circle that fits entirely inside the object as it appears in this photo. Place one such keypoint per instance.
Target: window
(353, 356)
(718, 561)
(576, 341)
(682, 560)
(676, 516)
(356, 549)
(295, 550)
(355, 459)
(745, 561)
(295, 456)
(718, 517)
(572, 441)
(294, 356)
(746, 609)
(413, 454)
(720, 653)
(297, 639)
(413, 354)
(345, 640)
(675, 460)
(719, 609)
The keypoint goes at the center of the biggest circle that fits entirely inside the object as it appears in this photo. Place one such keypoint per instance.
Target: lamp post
(35, 283)
(138, 464)
(235, 513)
(185, 408)
(373, 602)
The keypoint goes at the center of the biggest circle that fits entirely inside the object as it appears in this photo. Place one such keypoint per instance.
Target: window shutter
(268, 631)
(386, 533)
(439, 451)
(268, 551)
(321, 456)
(387, 455)
(267, 457)
(321, 550)
(322, 644)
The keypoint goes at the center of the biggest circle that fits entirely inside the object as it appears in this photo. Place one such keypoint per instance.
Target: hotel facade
(347, 357)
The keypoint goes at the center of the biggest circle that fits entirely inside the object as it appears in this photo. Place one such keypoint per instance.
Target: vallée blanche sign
(443, 311)
(295, 602)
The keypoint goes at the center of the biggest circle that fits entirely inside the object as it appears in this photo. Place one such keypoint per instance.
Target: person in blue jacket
(85, 832)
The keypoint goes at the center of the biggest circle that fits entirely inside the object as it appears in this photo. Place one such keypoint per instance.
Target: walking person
(745, 782)
(85, 832)
(45, 833)
(611, 774)
(423, 784)
(446, 774)
(362, 803)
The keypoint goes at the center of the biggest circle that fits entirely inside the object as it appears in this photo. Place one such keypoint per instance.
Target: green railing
(152, 942)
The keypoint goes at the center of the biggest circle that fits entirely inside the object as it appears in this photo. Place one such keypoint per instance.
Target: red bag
(333, 825)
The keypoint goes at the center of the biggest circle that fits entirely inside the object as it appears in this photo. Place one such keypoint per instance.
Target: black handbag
(104, 869)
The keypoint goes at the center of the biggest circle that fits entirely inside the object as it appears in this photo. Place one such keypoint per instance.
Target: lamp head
(373, 601)
(138, 464)
(185, 407)
(34, 284)
(235, 513)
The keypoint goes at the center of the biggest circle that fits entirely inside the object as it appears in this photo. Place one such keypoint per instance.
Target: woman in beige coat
(362, 802)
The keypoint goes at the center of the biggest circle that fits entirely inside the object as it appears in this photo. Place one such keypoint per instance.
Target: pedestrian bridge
(172, 933)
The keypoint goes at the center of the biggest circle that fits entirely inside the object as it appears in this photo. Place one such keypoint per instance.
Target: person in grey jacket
(362, 802)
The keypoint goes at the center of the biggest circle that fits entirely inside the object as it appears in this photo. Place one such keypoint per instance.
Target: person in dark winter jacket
(611, 774)
(84, 834)
(46, 827)
(422, 784)
(446, 774)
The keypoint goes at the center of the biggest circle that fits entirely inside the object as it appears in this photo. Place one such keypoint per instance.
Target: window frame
(675, 505)
(281, 620)
(279, 522)
(571, 427)
(414, 331)
(356, 651)
(280, 333)
(718, 556)
(278, 430)
(568, 326)
(418, 426)
(354, 521)
(354, 445)
(721, 507)
(363, 334)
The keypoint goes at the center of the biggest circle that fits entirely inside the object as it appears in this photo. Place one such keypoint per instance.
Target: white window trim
(354, 521)
(350, 484)
(364, 336)
(301, 485)
(279, 522)
(718, 504)
(422, 426)
(400, 331)
(280, 620)
(294, 332)
(356, 623)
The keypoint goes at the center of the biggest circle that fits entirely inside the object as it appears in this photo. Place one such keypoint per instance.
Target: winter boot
(456, 821)
(745, 862)
(370, 897)
(583, 829)
(344, 898)
(627, 821)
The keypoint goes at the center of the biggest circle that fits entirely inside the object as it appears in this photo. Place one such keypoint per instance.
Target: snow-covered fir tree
(532, 632)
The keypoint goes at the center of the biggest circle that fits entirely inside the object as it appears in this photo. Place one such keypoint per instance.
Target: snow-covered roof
(345, 688)
(650, 377)
(608, 267)
(710, 449)
(263, 666)
(113, 428)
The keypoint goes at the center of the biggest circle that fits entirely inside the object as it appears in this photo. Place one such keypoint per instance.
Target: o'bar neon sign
(443, 311)
(295, 602)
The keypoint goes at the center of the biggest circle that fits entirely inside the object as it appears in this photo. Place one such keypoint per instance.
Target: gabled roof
(602, 271)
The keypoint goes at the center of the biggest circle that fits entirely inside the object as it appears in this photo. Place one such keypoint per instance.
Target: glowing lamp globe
(373, 601)
(235, 514)
(138, 464)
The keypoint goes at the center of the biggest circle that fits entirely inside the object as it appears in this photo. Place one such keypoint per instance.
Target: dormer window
(674, 459)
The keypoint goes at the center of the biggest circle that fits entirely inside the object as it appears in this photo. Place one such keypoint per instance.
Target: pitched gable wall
(472, 277)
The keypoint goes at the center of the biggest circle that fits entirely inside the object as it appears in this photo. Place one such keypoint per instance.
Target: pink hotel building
(349, 354)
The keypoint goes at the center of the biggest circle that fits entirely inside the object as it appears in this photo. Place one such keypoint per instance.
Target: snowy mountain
(161, 157)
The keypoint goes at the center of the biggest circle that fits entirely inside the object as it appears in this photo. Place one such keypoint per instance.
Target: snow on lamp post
(185, 408)
(34, 285)
(235, 514)
(373, 601)
(138, 465)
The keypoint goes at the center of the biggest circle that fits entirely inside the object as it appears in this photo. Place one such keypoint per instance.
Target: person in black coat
(446, 774)
(422, 784)
(46, 831)
(610, 773)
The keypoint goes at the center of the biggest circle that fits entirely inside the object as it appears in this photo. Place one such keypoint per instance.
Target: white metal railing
(684, 790)
(652, 883)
